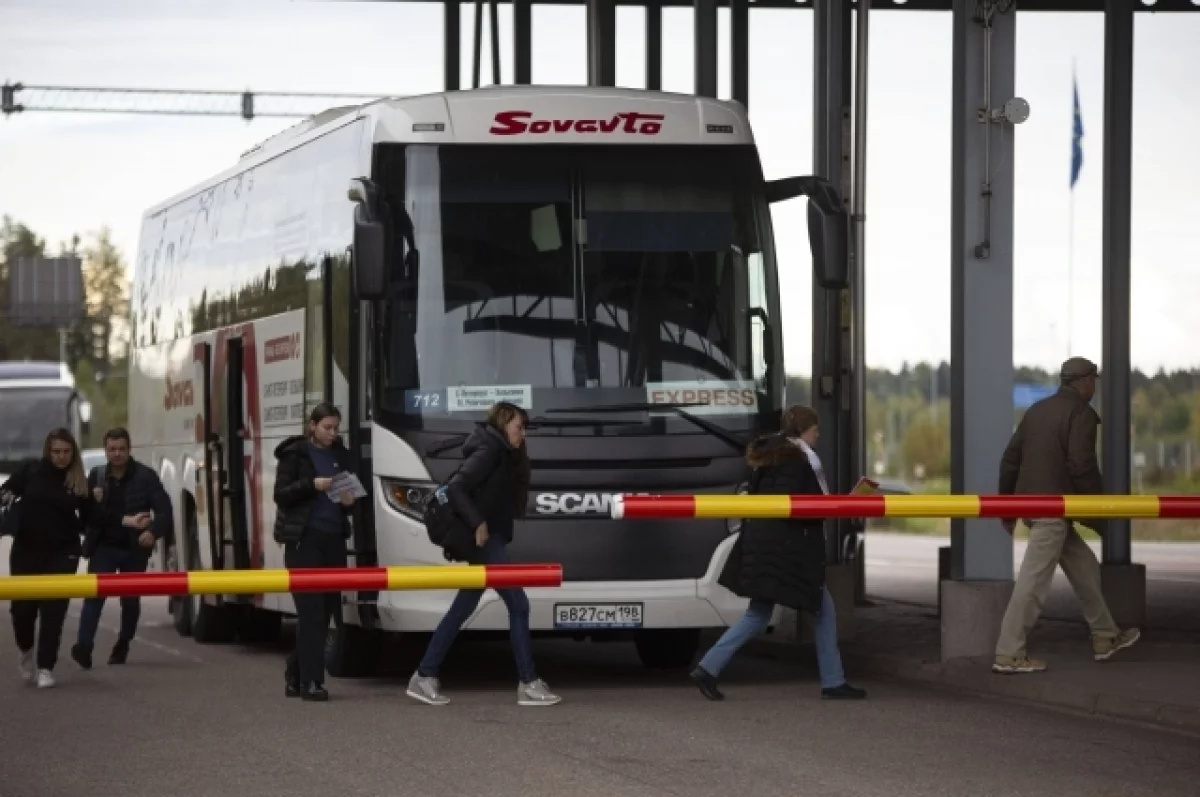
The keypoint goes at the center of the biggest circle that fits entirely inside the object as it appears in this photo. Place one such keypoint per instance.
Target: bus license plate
(597, 615)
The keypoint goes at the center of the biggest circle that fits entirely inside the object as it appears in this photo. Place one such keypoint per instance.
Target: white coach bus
(602, 257)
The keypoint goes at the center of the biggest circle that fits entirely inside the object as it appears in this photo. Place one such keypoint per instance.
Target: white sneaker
(536, 693)
(44, 679)
(25, 665)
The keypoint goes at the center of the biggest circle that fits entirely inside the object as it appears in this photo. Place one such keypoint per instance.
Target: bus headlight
(407, 498)
(734, 525)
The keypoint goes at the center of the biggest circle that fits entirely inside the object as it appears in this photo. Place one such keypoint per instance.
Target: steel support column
(981, 279)
(654, 58)
(452, 47)
(602, 42)
(522, 42)
(1115, 362)
(706, 47)
(831, 383)
(739, 51)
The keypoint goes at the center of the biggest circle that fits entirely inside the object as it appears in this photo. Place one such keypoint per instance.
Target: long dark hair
(499, 416)
(76, 480)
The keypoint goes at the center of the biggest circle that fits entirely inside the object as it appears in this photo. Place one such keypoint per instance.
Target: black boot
(315, 693)
(82, 655)
(292, 687)
(843, 692)
(707, 684)
(120, 652)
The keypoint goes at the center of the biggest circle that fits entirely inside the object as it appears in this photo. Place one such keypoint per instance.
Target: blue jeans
(494, 553)
(755, 621)
(113, 560)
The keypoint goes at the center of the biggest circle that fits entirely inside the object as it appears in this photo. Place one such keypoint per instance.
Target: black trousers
(306, 665)
(52, 613)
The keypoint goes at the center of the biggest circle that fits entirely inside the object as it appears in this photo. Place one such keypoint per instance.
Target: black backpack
(445, 528)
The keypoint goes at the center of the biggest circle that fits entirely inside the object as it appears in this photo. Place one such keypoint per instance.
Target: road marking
(150, 643)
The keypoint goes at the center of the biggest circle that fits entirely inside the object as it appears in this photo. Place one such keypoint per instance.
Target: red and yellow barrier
(256, 582)
(925, 506)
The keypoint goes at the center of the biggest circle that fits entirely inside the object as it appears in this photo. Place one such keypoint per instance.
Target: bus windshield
(571, 277)
(30, 413)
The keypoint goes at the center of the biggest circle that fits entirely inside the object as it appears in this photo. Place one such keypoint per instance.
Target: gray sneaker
(427, 690)
(536, 693)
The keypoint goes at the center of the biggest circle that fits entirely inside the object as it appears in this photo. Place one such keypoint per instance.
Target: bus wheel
(183, 607)
(352, 651)
(667, 648)
(212, 624)
(259, 626)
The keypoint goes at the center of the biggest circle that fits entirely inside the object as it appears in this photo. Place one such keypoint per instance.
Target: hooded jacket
(492, 483)
(295, 494)
(780, 561)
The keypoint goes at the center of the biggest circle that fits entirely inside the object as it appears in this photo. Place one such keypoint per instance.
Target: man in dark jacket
(1053, 452)
(135, 514)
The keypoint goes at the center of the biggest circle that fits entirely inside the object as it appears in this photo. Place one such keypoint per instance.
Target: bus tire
(352, 651)
(179, 559)
(259, 626)
(212, 624)
(667, 648)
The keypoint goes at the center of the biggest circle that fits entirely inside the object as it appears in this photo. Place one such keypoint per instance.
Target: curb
(972, 676)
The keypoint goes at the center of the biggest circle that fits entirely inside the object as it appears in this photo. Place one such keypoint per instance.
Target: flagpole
(1071, 273)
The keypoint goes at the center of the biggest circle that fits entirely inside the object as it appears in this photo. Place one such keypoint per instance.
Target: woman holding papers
(312, 524)
(781, 561)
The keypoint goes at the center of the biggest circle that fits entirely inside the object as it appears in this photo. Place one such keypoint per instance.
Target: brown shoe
(1010, 665)
(1104, 647)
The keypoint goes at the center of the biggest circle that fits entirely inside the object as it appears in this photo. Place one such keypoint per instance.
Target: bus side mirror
(828, 227)
(369, 241)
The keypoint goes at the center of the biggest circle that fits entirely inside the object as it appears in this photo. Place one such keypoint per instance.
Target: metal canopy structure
(982, 225)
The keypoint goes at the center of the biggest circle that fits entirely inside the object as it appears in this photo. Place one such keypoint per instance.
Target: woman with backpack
(313, 527)
(781, 561)
(50, 519)
(487, 492)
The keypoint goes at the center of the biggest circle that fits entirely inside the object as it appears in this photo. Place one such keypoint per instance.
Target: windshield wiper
(716, 431)
(452, 442)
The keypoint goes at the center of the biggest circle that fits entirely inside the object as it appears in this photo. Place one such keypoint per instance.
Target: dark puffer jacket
(492, 483)
(780, 561)
(51, 519)
(295, 494)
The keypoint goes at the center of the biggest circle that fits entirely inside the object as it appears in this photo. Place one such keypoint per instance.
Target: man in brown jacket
(1053, 452)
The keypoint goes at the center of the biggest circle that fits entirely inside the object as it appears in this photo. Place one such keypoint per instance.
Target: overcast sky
(65, 172)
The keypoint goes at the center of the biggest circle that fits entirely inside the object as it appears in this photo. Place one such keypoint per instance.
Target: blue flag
(1076, 137)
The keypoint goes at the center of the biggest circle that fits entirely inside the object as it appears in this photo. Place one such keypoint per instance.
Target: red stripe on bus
(119, 585)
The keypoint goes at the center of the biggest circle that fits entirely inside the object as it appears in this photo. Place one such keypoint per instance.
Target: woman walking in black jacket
(781, 561)
(487, 493)
(52, 514)
(313, 527)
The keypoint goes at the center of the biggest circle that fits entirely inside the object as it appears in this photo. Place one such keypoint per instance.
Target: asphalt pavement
(185, 719)
(903, 567)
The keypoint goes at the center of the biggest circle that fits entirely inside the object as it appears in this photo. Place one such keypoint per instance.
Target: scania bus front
(605, 260)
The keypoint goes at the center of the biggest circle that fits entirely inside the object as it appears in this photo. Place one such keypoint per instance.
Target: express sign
(513, 123)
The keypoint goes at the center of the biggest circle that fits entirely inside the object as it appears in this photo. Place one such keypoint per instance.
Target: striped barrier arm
(256, 582)
(922, 506)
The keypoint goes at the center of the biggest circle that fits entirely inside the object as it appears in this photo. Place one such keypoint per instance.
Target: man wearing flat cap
(1053, 452)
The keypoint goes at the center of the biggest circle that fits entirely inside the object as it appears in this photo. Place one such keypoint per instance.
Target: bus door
(234, 494)
(213, 514)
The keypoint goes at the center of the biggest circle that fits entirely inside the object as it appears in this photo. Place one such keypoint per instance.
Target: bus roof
(515, 115)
